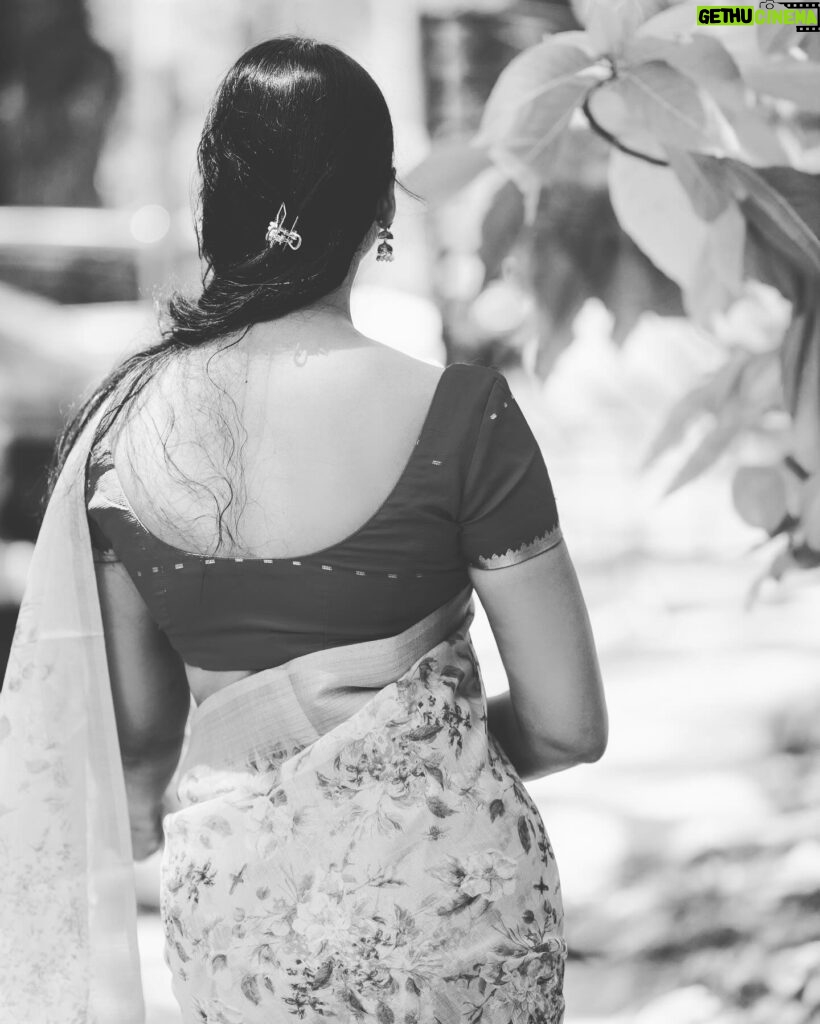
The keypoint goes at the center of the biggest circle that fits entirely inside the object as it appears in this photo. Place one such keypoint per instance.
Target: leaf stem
(599, 129)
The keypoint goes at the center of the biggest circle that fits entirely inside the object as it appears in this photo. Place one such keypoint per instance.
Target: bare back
(315, 447)
(298, 453)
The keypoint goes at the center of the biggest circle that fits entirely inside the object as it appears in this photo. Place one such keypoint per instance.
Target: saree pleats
(382, 864)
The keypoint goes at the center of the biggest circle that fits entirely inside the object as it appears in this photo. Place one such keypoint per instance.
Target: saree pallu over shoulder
(68, 933)
(353, 845)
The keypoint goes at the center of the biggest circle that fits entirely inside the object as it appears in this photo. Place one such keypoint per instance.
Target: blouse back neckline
(427, 423)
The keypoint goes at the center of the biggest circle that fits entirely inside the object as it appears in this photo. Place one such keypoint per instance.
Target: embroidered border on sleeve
(512, 556)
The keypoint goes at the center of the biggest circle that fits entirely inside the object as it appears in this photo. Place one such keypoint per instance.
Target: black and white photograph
(409, 512)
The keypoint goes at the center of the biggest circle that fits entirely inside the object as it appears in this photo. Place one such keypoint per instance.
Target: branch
(599, 129)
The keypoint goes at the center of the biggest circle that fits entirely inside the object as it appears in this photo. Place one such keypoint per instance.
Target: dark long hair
(294, 121)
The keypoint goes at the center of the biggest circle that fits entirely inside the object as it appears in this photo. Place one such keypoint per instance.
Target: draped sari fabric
(353, 845)
(68, 937)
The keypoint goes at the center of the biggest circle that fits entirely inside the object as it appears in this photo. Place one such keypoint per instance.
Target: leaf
(785, 206)
(453, 671)
(526, 86)
(759, 497)
(787, 79)
(250, 989)
(216, 823)
(710, 448)
(667, 104)
(737, 395)
(705, 183)
(579, 250)
(654, 209)
(384, 1015)
(802, 337)
(425, 732)
(803, 391)
(579, 39)
(776, 570)
(718, 278)
(524, 833)
(611, 23)
(450, 166)
(353, 1001)
(701, 58)
(496, 809)
(500, 230)
(810, 45)
(457, 905)
(438, 807)
(757, 138)
(532, 103)
(709, 396)
(765, 262)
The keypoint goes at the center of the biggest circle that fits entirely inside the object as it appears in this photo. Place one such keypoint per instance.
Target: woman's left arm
(151, 701)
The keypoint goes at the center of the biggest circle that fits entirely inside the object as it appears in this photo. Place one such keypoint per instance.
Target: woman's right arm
(554, 715)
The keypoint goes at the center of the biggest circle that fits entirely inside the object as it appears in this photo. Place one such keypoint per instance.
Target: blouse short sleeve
(508, 509)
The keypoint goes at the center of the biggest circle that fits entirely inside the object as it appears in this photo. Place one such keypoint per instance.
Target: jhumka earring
(384, 254)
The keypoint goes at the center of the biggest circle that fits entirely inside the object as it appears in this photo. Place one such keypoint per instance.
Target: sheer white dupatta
(68, 929)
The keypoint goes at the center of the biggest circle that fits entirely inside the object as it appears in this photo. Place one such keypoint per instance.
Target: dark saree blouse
(475, 492)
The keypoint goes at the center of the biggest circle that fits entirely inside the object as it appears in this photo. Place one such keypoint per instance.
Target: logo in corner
(804, 16)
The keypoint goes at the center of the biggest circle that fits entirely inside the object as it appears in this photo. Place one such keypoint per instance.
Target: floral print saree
(382, 864)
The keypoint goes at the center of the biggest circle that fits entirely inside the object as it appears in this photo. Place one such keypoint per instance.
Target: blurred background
(620, 210)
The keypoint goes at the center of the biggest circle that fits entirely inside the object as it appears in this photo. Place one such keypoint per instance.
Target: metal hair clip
(277, 233)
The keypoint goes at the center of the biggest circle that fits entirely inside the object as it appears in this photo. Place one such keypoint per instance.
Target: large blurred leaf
(532, 102)
(654, 209)
(501, 227)
(707, 397)
(580, 251)
(701, 58)
(785, 205)
(734, 397)
(758, 138)
(788, 79)
(803, 336)
(718, 279)
(765, 262)
(782, 207)
(801, 381)
(711, 447)
(666, 103)
(711, 67)
(705, 183)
